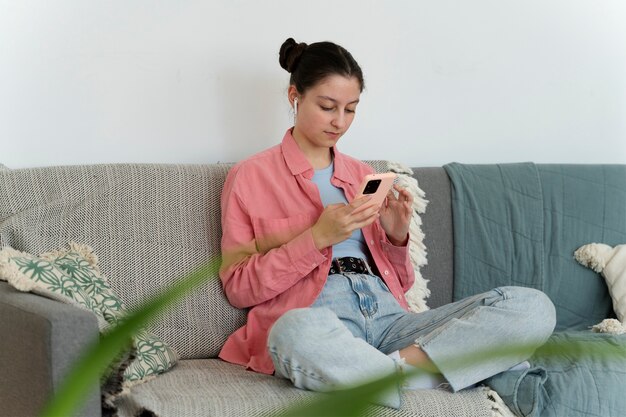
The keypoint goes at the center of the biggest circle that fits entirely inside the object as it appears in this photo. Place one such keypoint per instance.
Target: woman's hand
(338, 221)
(395, 216)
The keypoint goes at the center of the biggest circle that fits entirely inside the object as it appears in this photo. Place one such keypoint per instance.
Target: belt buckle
(338, 265)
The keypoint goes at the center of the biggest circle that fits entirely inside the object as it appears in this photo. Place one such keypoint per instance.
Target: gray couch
(149, 224)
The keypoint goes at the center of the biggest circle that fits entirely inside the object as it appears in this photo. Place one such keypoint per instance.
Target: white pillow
(610, 262)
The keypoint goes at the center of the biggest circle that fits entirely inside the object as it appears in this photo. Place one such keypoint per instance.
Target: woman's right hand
(338, 221)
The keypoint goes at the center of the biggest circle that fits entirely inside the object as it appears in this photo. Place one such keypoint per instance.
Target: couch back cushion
(438, 234)
(150, 224)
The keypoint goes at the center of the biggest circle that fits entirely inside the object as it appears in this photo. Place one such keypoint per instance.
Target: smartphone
(377, 186)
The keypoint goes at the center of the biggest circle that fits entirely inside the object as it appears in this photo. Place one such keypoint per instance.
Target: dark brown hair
(310, 64)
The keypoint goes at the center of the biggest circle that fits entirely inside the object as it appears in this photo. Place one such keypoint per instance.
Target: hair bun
(290, 53)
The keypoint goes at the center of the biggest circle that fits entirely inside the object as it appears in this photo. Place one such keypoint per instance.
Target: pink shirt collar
(298, 164)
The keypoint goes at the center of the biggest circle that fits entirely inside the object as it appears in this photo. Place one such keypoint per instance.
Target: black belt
(349, 264)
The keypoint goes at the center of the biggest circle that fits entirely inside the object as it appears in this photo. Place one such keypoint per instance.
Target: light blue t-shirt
(355, 245)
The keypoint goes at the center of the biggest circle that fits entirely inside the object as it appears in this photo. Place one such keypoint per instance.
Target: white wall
(199, 81)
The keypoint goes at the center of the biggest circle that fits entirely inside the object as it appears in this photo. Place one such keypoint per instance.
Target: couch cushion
(148, 223)
(212, 387)
(437, 228)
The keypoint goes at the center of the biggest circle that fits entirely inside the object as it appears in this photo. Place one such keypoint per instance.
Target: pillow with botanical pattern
(29, 273)
(80, 264)
(73, 276)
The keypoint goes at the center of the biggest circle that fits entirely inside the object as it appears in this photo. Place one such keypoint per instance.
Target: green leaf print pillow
(73, 276)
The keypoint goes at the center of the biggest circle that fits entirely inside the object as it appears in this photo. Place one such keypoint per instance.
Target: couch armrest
(39, 339)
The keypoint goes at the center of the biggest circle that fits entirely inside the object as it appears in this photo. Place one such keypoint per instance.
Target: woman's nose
(340, 120)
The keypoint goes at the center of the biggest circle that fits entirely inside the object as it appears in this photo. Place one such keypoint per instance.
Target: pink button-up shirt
(270, 262)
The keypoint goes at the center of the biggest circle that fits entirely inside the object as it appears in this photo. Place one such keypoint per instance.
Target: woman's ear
(292, 94)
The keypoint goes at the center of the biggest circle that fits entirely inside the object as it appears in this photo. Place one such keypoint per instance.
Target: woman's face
(325, 112)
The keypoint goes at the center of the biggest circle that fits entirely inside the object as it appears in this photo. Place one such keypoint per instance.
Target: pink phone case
(384, 182)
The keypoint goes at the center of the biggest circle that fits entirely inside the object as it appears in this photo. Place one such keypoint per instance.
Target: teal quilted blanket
(519, 224)
(575, 374)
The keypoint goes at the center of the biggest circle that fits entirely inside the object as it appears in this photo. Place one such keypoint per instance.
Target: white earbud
(295, 106)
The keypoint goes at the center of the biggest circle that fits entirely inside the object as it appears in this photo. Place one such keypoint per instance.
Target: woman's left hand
(395, 216)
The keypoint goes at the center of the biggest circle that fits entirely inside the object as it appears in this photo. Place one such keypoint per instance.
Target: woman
(324, 274)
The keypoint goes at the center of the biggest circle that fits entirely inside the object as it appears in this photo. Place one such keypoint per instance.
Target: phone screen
(371, 187)
(377, 186)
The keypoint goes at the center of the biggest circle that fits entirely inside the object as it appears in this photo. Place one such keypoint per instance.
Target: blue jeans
(343, 339)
